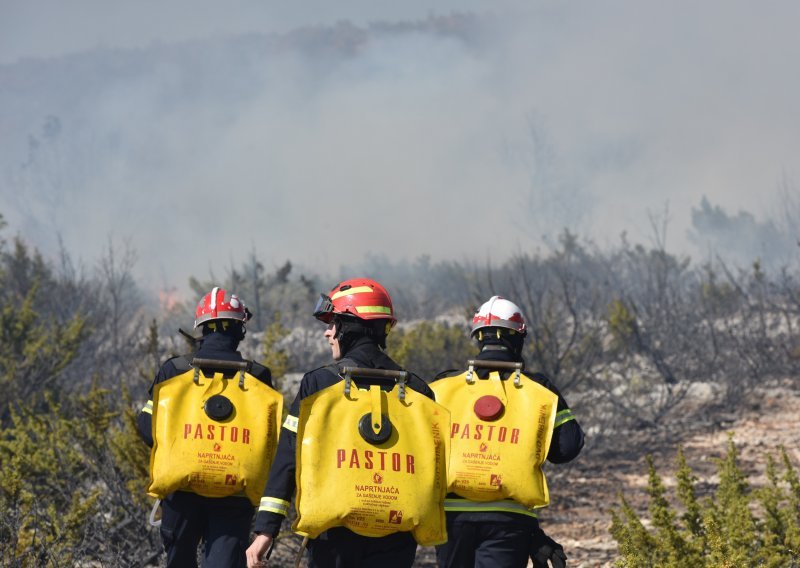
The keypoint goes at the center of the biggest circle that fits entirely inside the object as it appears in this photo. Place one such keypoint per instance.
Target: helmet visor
(323, 311)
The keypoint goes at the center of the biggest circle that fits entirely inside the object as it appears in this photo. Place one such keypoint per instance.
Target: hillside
(681, 358)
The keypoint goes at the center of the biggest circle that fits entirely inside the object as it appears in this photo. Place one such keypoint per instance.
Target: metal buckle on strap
(220, 365)
(472, 364)
(400, 377)
(153, 511)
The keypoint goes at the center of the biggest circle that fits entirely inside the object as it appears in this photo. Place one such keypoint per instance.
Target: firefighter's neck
(495, 347)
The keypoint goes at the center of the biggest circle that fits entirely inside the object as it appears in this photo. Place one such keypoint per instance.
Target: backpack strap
(182, 364)
(336, 368)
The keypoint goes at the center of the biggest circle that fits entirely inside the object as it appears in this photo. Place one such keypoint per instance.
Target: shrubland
(630, 335)
(735, 525)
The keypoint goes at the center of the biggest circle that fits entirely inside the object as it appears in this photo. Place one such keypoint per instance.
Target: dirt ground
(580, 514)
(586, 491)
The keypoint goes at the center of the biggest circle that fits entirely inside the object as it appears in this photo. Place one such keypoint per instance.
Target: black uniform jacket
(566, 444)
(212, 346)
(281, 484)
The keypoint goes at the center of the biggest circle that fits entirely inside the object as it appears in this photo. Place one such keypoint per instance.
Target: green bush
(733, 527)
(72, 485)
(272, 355)
(431, 347)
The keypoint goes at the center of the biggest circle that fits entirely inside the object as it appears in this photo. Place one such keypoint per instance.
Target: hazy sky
(44, 28)
(587, 114)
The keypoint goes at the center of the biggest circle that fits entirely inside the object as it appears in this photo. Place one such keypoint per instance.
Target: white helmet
(220, 304)
(499, 312)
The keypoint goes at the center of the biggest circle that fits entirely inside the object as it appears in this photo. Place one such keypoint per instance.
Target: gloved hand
(544, 548)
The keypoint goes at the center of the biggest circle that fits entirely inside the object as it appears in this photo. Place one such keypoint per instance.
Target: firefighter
(187, 518)
(359, 314)
(485, 530)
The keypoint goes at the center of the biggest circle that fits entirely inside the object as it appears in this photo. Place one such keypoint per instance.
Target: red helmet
(359, 297)
(499, 312)
(220, 304)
